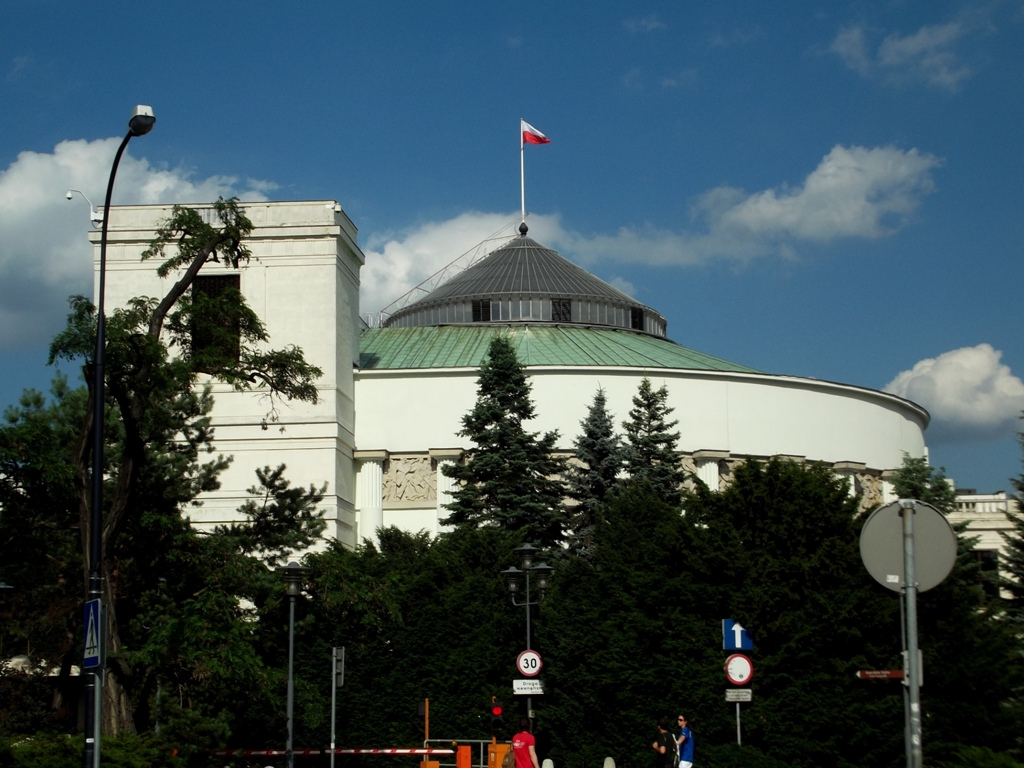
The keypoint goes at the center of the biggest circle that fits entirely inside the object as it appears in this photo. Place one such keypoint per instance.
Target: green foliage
(651, 448)
(279, 519)
(778, 551)
(733, 756)
(1011, 564)
(978, 757)
(181, 615)
(40, 554)
(125, 751)
(510, 478)
(916, 479)
(593, 474)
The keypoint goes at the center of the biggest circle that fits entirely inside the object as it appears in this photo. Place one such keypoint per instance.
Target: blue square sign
(734, 637)
(92, 656)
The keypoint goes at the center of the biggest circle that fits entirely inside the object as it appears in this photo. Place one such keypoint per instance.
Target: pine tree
(1011, 565)
(594, 474)
(511, 478)
(916, 479)
(651, 452)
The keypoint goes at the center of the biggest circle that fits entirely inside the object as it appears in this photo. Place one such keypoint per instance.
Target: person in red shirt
(524, 746)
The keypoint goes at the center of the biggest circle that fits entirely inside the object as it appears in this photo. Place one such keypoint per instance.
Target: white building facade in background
(392, 398)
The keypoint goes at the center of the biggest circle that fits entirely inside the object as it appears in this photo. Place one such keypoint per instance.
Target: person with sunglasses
(684, 743)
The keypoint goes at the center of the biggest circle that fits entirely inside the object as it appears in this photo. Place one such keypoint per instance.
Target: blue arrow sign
(734, 637)
(92, 657)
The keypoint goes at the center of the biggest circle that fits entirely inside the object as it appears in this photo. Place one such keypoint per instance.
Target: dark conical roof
(523, 267)
(532, 284)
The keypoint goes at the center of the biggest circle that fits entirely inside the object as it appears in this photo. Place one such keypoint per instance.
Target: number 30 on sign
(529, 664)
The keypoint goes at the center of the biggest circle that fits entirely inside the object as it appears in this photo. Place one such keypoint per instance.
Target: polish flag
(531, 135)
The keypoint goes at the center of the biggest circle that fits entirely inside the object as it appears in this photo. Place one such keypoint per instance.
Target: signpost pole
(913, 660)
(739, 739)
(337, 671)
(906, 679)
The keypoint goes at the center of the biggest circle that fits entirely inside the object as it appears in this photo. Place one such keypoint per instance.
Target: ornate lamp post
(141, 123)
(293, 573)
(516, 579)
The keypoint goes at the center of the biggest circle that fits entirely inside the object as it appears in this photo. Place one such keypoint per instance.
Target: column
(445, 485)
(369, 493)
(707, 467)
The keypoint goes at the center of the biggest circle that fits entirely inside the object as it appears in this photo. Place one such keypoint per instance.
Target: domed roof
(390, 349)
(523, 281)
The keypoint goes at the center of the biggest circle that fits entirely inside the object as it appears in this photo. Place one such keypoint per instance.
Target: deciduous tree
(157, 418)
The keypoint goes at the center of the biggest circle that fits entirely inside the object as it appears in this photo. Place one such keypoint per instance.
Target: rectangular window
(636, 318)
(215, 321)
(481, 311)
(561, 311)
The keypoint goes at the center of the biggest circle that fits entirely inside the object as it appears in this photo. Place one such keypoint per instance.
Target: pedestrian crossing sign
(92, 656)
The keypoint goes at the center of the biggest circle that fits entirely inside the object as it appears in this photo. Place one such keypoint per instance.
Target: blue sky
(830, 190)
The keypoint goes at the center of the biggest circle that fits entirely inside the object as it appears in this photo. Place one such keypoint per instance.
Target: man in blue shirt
(684, 743)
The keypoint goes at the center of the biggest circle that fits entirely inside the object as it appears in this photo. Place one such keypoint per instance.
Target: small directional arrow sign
(93, 654)
(734, 637)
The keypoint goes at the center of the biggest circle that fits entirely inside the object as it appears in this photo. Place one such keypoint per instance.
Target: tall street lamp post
(515, 579)
(140, 124)
(293, 573)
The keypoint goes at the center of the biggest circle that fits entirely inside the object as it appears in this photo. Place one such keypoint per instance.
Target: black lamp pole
(141, 123)
(512, 576)
(293, 573)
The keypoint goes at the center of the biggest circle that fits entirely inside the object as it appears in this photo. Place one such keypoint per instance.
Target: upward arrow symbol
(737, 631)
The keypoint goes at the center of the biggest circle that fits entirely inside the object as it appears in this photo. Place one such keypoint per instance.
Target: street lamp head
(543, 571)
(293, 573)
(526, 554)
(512, 579)
(142, 120)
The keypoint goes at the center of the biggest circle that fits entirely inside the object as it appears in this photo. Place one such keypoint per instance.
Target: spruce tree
(594, 474)
(1011, 565)
(651, 448)
(916, 479)
(511, 477)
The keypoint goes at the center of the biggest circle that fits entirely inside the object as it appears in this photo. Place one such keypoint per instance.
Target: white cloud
(969, 393)
(45, 255)
(854, 192)
(928, 55)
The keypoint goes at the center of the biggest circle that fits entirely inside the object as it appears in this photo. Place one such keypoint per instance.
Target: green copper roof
(465, 346)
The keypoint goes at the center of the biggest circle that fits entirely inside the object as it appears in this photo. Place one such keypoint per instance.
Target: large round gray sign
(881, 546)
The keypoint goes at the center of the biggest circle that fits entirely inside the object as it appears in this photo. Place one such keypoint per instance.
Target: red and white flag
(531, 135)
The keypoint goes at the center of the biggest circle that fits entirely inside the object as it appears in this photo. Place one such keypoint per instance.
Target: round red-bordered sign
(529, 663)
(739, 669)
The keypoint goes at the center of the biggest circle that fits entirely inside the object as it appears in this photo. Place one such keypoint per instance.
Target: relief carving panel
(409, 478)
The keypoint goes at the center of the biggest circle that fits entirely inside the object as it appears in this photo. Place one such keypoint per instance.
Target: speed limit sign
(529, 664)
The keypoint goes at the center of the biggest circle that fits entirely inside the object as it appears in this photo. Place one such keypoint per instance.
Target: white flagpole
(522, 169)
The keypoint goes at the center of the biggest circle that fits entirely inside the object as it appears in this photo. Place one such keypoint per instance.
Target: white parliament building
(392, 397)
